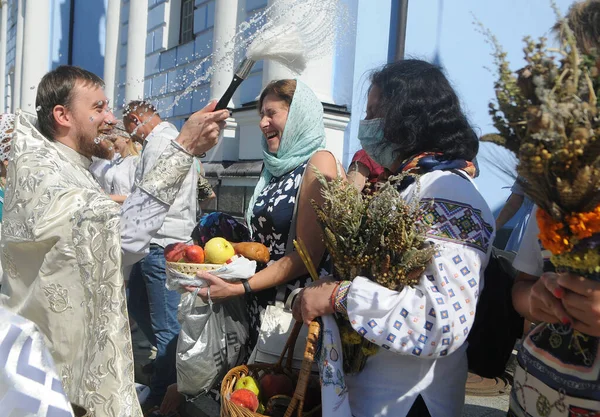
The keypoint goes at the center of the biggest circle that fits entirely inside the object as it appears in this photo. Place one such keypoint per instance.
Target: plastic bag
(212, 341)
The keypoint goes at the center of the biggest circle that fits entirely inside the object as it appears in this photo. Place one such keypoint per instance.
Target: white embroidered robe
(61, 253)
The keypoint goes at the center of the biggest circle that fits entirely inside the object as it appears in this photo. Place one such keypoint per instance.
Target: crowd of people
(90, 203)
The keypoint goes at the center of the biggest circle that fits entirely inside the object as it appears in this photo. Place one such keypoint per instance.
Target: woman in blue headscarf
(291, 120)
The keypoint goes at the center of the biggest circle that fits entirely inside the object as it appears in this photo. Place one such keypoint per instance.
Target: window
(186, 28)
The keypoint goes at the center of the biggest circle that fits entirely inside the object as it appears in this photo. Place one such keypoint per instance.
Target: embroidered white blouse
(422, 330)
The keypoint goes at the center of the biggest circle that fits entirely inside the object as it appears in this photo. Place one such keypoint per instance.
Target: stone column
(36, 52)
(136, 49)
(16, 87)
(3, 34)
(225, 27)
(111, 53)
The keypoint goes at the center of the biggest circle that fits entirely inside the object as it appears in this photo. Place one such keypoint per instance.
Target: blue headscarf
(303, 135)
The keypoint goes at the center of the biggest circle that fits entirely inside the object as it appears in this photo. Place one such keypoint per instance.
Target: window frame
(186, 34)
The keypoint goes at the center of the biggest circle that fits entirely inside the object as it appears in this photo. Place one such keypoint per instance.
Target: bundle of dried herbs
(547, 113)
(379, 236)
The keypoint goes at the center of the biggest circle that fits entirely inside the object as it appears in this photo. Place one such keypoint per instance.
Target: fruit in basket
(276, 384)
(248, 383)
(174, 252)
(218, 251)
(253, 250)
(245, 398)
(194, 254)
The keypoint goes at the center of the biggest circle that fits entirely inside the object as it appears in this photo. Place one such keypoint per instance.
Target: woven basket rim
(192, 265)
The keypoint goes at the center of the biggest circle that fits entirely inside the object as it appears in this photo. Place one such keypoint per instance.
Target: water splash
(296, 32)
(292, 32)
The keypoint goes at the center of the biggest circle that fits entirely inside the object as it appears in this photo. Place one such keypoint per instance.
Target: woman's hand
(314, 301)
(582, 302)
(545, 300)
(218, 288)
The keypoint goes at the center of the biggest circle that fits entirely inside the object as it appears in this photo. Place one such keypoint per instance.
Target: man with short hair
(64, 241)
(151, 304)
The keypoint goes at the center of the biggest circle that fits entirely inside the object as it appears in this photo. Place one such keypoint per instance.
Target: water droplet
(32, 88)
(38, 108)
(91, 119)
(97, 141)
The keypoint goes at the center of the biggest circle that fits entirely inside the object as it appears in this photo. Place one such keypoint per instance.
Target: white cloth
(29, 384)
(60, 253)
(100, 169)
(423, 330)
(121, 175)
(529, 258)
(181, 218)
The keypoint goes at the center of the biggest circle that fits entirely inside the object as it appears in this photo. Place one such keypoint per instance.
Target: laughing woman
(291, 120)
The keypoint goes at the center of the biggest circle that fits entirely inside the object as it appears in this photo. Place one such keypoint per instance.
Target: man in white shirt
(151, 304)
(64, 241)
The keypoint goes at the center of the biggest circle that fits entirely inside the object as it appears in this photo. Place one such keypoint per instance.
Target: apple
(245, 398)
(248, 383)
(194, 254)
(276, 384)
(218, 251)
(174, 252)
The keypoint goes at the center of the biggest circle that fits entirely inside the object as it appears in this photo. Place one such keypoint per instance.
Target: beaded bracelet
(333, 294)
(341, 296)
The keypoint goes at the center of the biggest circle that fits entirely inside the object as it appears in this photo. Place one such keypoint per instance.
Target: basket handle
(309, 357)
(289, 347)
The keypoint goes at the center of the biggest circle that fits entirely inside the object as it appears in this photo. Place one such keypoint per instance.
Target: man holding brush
(64, 241)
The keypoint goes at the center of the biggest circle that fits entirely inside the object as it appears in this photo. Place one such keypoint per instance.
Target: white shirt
(181, 218)
(529, 258)
(121, 175)
(99, 168)
(422, 330)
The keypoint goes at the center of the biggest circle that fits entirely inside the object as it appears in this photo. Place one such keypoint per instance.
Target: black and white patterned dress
(270, 222)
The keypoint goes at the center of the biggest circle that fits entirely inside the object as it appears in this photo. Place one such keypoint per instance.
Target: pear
(248, 383)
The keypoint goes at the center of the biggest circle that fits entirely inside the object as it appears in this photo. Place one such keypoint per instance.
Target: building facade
(154, 50)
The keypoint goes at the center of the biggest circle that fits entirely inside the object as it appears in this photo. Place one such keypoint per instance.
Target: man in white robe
(64, 242)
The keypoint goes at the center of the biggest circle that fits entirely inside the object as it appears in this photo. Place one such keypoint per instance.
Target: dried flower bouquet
(379, 236)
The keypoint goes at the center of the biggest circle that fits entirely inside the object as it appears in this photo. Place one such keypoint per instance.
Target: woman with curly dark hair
(414, 123)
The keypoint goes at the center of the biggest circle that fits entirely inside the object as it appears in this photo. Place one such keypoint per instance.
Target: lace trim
(165, 178)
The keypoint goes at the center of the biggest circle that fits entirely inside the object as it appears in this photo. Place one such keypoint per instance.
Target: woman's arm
(358, 174)
(512, 205)
(307, 229)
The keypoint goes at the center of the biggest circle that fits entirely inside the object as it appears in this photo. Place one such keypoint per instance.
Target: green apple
(248, 383)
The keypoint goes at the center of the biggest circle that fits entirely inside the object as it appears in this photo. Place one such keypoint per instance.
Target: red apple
(276, 384)
(245, 398)
(174, 252)
(194, 254)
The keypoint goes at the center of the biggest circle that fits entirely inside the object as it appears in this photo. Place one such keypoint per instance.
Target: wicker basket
(229, 409)
(191, 269)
